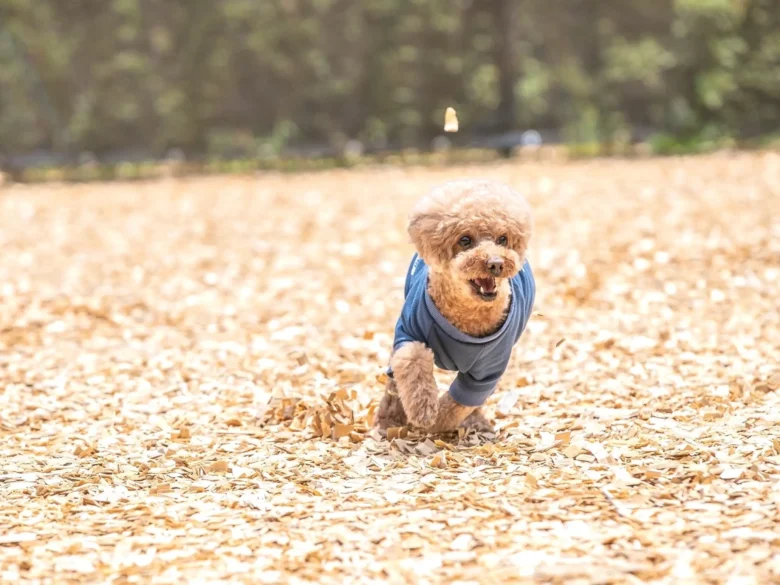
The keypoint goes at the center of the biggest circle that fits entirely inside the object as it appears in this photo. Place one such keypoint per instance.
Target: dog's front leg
(412, 366)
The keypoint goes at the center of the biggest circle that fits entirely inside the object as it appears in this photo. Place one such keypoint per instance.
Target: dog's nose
(495, 265)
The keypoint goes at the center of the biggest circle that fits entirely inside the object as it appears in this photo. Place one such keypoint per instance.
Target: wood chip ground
(188, 371)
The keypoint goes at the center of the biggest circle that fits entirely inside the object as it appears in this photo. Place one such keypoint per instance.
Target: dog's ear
(521, 226)
(426, 229)
(520, 235)
(422, 229)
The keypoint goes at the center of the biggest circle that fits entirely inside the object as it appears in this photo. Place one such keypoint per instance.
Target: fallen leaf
(443, 445)
(17, 538)
(340, 430)
(397, 433)
(218, 466)
(439, 460)
(731, 473)
(462, 542)
(598, 452)
(624, 476)
(255, 499)
(392, 496)
(413, 542)
(507, 402)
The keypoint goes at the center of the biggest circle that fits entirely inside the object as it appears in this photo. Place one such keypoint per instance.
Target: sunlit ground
(171, 354)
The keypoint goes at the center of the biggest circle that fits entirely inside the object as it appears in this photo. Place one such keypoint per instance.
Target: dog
(468, 296)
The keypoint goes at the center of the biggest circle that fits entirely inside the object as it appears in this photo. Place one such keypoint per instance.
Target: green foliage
(643, 62)
(708, 138)
(249, 78)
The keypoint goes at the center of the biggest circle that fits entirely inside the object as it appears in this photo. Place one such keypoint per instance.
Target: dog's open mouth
(485, 288)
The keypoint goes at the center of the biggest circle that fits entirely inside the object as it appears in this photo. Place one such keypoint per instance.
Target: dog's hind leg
(412, 366)
(391, 412)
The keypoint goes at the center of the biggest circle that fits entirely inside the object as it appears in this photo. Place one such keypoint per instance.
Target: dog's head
(475, 232)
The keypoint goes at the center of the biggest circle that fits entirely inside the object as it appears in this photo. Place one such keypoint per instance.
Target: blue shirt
(479, 361)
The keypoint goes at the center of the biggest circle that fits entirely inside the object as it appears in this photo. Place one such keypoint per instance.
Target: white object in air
(450, 120)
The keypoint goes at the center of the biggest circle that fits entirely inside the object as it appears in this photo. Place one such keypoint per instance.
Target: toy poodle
(469, 293)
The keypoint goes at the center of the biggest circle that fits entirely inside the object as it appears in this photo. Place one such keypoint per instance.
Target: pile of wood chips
(189, 370)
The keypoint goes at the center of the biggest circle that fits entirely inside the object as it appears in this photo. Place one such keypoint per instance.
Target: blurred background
(128, 80)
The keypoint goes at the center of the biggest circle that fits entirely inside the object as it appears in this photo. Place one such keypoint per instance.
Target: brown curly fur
(451, 414)
(477, 421)
(484, 211)
(472, 316)
(391, 412)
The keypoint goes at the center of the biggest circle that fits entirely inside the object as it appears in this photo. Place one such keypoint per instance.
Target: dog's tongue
(487, 284)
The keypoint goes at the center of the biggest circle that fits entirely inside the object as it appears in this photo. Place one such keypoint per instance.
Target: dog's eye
(501, 241)
(465, 242)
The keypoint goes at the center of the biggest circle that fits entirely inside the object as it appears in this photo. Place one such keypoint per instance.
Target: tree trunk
(504, 58)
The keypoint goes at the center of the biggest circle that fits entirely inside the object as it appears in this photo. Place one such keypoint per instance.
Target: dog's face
(475, 232)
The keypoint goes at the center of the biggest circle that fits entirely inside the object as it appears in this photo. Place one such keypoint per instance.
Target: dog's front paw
(478, 422)
(413, 370)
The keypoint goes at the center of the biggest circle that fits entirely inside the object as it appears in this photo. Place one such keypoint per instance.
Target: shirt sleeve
(525, 290)
(412, 325)
(405, 332)
(467, 390)
(409, 274)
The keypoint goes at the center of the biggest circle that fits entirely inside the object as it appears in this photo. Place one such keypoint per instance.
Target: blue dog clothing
(479, 361)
